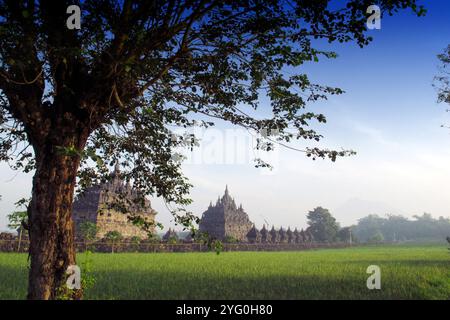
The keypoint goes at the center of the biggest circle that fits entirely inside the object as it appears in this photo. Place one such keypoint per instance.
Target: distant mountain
(350, 211)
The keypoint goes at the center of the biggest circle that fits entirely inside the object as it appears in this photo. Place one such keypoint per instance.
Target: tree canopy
(16, 219)
(443, 78)
(136, 67)
(322, 225)
(398, 228)
(113, 237)
(88, 230)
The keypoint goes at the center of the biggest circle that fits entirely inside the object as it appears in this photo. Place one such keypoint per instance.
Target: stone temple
(95, 205)
(225, 220)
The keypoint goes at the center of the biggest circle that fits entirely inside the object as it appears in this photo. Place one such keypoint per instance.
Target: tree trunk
(52, 247)
(20, 238)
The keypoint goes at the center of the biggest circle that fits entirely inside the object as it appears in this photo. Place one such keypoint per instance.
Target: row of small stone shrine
(261, 236)
(278, 236)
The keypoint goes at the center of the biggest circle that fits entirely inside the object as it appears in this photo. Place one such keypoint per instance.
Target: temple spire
(226, 198)
(116, 181)
(116, 171)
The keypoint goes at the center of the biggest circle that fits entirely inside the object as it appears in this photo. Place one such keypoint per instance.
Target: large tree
(322, 225)
(75, 101)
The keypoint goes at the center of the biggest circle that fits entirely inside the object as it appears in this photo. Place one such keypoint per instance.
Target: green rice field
(407, 272)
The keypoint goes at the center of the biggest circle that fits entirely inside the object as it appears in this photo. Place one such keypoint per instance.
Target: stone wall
(100, 246)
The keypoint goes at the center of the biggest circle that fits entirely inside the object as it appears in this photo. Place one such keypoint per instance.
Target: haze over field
(388, 115)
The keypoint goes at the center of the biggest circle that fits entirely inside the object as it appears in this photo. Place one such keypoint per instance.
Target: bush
(113, 237)
(376, 238)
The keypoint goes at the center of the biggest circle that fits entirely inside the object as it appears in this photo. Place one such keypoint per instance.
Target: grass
(410, 272)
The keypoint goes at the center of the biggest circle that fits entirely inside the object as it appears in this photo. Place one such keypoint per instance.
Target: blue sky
(388, 114)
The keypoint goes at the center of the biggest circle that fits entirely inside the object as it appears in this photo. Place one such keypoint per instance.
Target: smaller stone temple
(254, 235)
(96, 206)
(170, 235)
(225, 220)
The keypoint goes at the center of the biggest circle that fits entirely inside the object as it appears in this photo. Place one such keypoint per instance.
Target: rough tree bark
(52, 247)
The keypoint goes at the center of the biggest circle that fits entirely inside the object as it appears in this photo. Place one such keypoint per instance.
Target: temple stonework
(225, 220)
(96, 206)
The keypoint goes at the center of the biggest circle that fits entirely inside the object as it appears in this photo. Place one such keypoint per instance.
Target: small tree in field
(230, 239)
(17, 219)
(154, 238)
(376, 238)
(113, 237)
(135, 241)
(345, 235)
(88, 231)
(322, 225)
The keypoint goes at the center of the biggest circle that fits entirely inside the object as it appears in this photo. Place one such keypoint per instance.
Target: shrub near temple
(88, 232)
(113, 237)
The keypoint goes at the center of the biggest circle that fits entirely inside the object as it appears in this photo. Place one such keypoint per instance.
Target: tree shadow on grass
(181, 285)
(189, 284)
